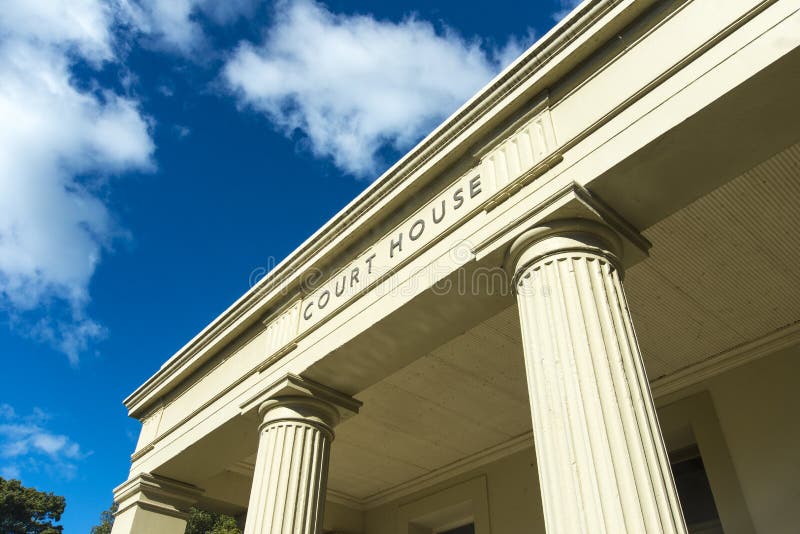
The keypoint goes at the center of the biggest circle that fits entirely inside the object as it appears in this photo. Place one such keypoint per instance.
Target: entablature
(562, 48)
(509, 135)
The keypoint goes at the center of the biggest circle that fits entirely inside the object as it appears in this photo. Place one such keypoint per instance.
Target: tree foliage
(200, 522)
(106, 521)
(27, 510)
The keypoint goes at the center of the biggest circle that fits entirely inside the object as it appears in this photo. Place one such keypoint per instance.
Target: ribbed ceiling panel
(723, 270)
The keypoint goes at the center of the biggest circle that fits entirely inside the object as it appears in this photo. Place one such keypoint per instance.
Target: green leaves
(202, 522)
(106, 521)
(27, 510)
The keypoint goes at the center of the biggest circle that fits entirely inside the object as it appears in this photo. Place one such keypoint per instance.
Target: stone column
(291, 471)
(603, 467)
(150, 503)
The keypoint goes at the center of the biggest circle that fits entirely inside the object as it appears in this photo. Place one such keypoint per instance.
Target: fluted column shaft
(291, 471)
(603, 467)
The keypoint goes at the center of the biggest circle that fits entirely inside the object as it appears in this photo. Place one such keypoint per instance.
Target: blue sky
(157, 155)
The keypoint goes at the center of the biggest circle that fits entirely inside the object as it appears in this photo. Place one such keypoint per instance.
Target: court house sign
(384, 256)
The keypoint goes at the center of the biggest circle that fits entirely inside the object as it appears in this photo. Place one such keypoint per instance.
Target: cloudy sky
(156, 155)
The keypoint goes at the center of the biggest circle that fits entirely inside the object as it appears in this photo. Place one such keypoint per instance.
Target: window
(459, 509)
(465, 529)
(694, 492)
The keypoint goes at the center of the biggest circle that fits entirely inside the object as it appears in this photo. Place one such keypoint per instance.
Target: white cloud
(25, 444)
(181, 131)
(58, 144)
(175, 24)
(83, 25)
(353, 84)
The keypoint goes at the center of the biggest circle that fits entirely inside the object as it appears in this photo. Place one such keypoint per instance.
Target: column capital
(306, 409)
(564, 235)
(157, 494)
(570, 209)
(293, 397)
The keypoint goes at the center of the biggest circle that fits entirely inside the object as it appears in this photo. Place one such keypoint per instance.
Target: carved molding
(521, 152)
(281, 331)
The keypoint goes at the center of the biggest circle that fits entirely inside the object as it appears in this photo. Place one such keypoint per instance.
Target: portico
(569, 309)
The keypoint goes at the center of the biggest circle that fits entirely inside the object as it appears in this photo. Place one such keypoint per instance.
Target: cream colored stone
(602, 462)
(149, 504)
(291, 470)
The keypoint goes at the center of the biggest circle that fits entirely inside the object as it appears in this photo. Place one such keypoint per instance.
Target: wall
(512, 495)
(339, 518)
(758, 406)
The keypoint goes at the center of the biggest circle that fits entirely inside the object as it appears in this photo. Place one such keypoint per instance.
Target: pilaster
(150, 503)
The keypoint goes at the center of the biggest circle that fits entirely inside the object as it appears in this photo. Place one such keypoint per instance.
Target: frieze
(428, 223)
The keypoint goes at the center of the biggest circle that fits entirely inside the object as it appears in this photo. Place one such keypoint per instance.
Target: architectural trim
(156, 493)
(572, 201)
(664, 76)
(291, 385)
(144, 450)
(162, 435)
(281, 330)
(436, 476)
(275, 357)
(726, 360)
(243, 468)
(510, 189)
(530, 69)
(519, 156)
(340, 497)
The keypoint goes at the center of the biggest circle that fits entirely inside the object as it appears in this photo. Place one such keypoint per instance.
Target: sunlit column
(602, 462)
(291, 472)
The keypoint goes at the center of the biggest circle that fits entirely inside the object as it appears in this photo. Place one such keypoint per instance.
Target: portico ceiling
(722, 273)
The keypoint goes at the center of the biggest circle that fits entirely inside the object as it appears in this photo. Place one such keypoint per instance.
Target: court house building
(572, 308)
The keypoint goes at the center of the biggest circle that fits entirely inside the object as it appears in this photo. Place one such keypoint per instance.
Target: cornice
(529, 75)
(450, 471)
(159, 494)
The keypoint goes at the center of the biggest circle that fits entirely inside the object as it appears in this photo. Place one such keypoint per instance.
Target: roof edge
(245, 310)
